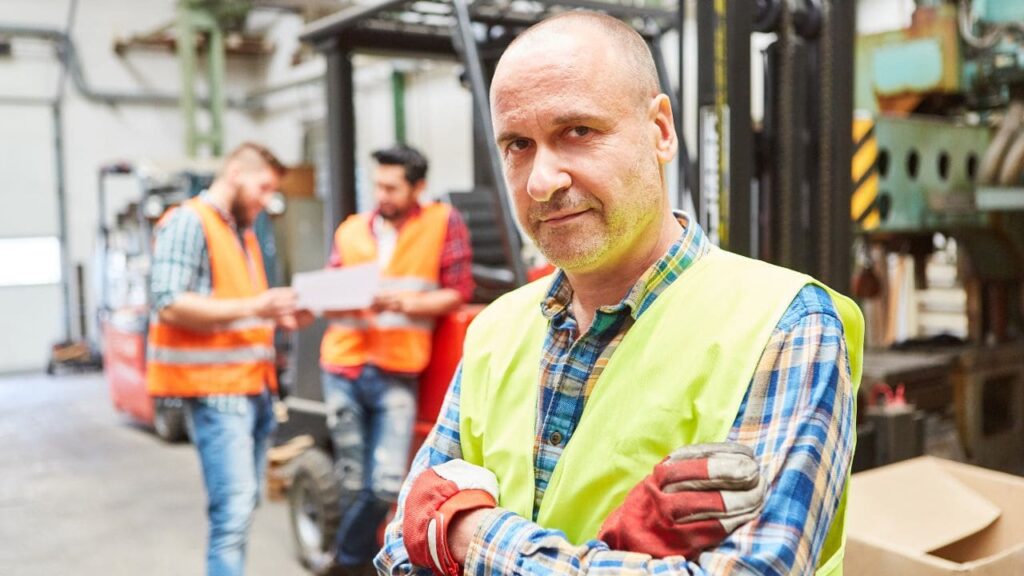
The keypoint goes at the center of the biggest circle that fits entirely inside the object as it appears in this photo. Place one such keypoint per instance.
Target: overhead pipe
(252, 102)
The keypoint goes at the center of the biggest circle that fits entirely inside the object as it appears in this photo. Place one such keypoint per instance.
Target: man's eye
(580, 131)
(518, 145)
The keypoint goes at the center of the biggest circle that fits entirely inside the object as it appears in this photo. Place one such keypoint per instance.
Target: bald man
(658, 405)
(211, 339)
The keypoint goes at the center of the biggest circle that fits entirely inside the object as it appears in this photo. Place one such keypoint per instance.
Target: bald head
(584, 134)
(633, 56)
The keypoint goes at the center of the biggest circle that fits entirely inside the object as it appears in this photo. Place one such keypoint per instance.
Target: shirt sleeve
(798, 416)
(179, 253)
(442, 444)
(457, 258)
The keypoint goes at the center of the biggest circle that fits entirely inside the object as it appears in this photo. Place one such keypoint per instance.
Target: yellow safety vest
(677, 378)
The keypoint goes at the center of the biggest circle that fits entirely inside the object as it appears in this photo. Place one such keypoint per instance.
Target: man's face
(254, 187)
(578, 145)
(394, 194)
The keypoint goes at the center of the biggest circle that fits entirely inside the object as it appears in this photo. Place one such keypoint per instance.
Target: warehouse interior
(875, 145)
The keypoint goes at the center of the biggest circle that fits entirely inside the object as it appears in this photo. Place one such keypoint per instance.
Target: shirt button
(555, 438)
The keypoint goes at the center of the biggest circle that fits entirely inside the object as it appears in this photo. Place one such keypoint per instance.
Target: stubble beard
(584, 245)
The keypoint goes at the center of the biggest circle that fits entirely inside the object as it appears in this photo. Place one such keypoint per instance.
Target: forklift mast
(780, 193)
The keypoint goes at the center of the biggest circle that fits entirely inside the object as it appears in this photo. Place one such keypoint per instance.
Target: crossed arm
(798, 417)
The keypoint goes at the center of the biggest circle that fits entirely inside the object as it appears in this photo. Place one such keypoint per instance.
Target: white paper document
(348, 288)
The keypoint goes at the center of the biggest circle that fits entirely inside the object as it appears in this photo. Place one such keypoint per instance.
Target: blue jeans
(231, 434)
(371, 421)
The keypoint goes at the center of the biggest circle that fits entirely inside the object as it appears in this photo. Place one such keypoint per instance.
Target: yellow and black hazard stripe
(864, 203)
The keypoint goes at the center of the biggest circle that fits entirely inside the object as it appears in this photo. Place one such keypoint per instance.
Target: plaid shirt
(456, 257)
(181, 259)
(797, 415)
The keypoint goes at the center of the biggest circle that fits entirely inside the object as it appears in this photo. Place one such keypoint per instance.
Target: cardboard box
(299, 181)
(933, 517)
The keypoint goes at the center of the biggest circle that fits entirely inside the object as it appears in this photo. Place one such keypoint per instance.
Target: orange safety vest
(235, 358)
(391, 341)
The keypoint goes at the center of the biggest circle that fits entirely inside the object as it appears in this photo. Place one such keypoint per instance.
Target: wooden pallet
(279, 471)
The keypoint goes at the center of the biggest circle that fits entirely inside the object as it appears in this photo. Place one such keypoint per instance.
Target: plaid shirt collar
(691, 246)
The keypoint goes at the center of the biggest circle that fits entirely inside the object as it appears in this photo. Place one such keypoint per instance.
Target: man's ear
(666, 142)
(419, 187)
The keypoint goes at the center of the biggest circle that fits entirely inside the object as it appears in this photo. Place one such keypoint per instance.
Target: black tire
(314, 505)
(169, 419)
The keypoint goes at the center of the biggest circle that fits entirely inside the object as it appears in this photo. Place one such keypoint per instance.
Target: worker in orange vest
(211, 339)
(371, 359)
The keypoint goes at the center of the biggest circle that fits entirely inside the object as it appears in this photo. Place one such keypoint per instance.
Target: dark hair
(251, 152)
(411, 159)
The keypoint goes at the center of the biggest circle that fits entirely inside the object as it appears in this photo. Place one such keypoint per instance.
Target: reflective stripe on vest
(394, 320)
(247, 323)
(389, 340)
(231, 358)
(180, 356)
(384, 320)
(693, 383)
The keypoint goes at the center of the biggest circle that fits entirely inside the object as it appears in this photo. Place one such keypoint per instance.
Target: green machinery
(939, 149)
(937, 90)
(206, 20)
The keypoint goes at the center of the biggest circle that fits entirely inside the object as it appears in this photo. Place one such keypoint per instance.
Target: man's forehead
(559, 63)
(560, 39)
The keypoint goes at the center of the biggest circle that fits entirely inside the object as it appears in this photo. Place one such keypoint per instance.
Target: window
(29, 261)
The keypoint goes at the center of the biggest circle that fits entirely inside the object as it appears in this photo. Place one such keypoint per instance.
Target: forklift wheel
(314, 505)
(169, 419)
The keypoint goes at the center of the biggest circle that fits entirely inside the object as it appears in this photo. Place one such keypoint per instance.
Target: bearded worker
(211, 339)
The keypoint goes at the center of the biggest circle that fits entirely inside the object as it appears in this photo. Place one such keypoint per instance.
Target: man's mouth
(560, 217)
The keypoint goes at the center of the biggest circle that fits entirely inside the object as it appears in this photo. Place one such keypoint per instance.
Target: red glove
(694, 498)
(436, 497)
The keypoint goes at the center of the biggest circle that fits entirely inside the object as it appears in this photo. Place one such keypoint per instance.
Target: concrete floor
(84, 491)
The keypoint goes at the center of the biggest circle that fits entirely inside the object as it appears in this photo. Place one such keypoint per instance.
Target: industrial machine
(938, 203)
(123, 252)
(474, 35)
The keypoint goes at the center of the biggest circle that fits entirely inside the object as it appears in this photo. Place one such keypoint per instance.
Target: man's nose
(547, 176)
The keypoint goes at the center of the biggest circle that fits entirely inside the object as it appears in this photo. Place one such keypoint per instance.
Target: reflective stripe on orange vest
(231, 358)
(183, 357)
(392, 341)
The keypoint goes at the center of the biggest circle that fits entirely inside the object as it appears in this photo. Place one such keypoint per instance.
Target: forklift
(474, 35)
